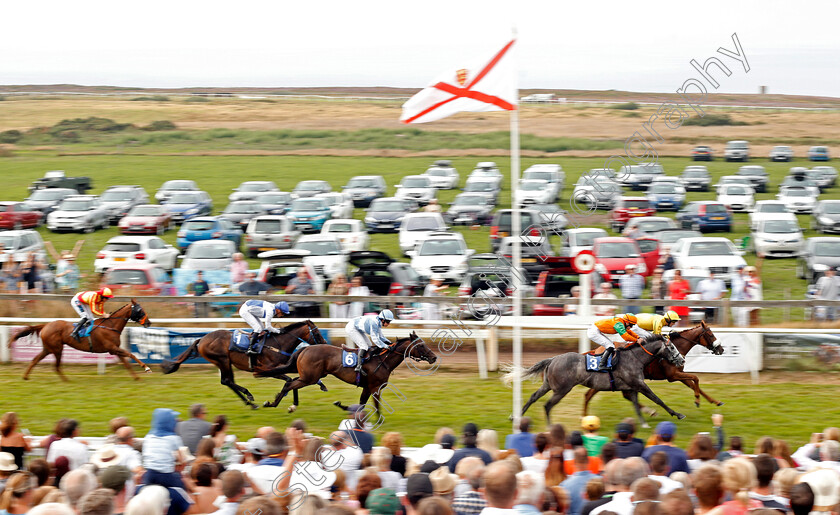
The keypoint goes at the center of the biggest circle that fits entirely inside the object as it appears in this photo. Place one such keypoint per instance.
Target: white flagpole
(516, 232)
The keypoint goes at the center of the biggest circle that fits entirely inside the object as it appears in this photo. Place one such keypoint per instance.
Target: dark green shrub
(11, 136)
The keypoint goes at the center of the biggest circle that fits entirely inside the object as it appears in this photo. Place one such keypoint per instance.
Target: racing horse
(104, 337)
(565, 371)
(661, 369)
(278, 349)
(313, 363)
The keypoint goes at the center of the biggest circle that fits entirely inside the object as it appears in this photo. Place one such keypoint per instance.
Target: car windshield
(310, 186)
(735, 191)
(331, 200)
(116, 196)
(751, 170)
(586, 239)
(8, 242)
(547, 208)
(178, 186)
(695, 173)
(827, 249)
(415, 182)
(487, 172)
(672, 236)
(478, 186)
(184, 199)
(820, 149)
(470, 200)
(437, 172)
(274, 199)
(781, 226)
(710, 248)
(797, 193)
(774, 208)
(196, 251)
(781, 148)
(617, 249)
(241, 209)
(320, 247)
(831, 208)
(146, 211)
(75, 205)
(254, 187)
(654, 225)
(121, 246)
(546, 176)
(129, 277)
(442, 248)
(532, 186)
(269, 226)
(307, 205)
(341, 228)
(199, 225)
(390, 206)
(47, 194)
(737, 144)
(423, 223)
(361, 183)
(662, 187)
(641, 204)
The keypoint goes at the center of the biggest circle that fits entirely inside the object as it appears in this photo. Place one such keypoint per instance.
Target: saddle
(85, 331)
(593, 362)
(350, 356)
(239, 341)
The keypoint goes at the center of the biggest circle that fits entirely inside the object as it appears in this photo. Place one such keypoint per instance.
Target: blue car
(187, 205)
(309, 213)
(665, 196)
(208, 228)
(818, 153)
(386, 214)
(705, 216)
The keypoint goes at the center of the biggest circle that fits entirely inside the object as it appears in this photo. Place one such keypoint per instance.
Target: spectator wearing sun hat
(7, 466)
(443, 483)
(469, 449)
(382, 501)
(591, 439)
(678, 459)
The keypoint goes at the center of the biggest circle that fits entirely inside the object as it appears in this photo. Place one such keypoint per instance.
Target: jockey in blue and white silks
(258, 315)
(368, 328)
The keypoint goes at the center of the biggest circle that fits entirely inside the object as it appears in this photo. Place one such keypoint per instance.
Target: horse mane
(651, 338)
(122, 307)
(296, 325)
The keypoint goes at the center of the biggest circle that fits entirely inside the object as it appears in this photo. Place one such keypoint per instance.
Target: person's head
(40, 469)
(19, 488)
(198, 411)
(606, 287)
(558, 435)
(69, 428)
(386, 317)
(630, 269)
(125, 435)
(393, 442)
(736, 443)
(382, 501)
(114, 477)
(418, 487)
(801, 499)
(624, 432)
(356, 281)
(337, 439)
(751, 271)
(151, 500)
(765, 467)
(487, 439)
(220, 424)
(500, 485)
(470, 434)
(369, 482)
(764, 445)
(263, 432)
(8, 423)
(471, 469)
(671, 317)
(541, 442)
(529, 488)
(575, 291)
(595, 489)
(665, 431)
(281, 308)
(199, 276)
(443, 483)
(632, 469)
(380, 458)
(738, 478)
(832, 433)
(116, 423)
(434, 506)
(238, 256)
(708, 485)
(612, 473)
(701, 448)
(275, 444)
(262, 504)
(711, 275)
(659, 463)
(830, 451)
(590, 423)
(677, 503)
(645, 489)
(77, 483)
(677, 274)
(784, 479)
(301, 273)
(205, 449)
(581, 459)
(97, 502)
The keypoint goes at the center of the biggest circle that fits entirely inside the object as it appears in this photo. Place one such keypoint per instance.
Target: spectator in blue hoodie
(160, 447)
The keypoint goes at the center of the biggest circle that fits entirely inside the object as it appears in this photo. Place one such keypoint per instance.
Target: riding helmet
(106, 293)
(672, 316)
(282, 306)
(630, 317)
(386, 315)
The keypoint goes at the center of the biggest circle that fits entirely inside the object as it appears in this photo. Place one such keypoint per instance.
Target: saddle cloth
(87, 330)
(349, 359)
(593, 360)
(240, 340)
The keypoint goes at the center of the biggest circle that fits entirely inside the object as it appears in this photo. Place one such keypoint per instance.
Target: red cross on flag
(488, 85)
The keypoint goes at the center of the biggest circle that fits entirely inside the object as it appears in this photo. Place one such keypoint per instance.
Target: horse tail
(291, 366)
(530, 373)
(169, 366)
(31, 329)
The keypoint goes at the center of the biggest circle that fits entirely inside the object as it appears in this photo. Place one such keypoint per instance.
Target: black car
(386, 214)
(531, 220)
(826, 216)
(701, 153)
(757, 175)
(469, 209)
(384, 276)
(696, 178)
(240, 212)
(47, 200)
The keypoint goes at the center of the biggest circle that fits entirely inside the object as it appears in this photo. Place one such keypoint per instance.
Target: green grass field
(449, 398)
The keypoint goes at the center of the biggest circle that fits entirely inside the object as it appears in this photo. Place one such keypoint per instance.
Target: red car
(614, 253)
(137, 279)
(147, 219)
(15, 215)
(629, 207)
(649, 248)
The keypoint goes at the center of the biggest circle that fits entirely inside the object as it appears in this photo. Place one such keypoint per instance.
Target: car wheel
(800, 270)
(160, 230)
(171, 225)
(728, 228)
(18, 226)
(695, 227)
(88, 229)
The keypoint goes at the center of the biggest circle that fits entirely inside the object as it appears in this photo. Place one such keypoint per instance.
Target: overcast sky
(792, 47)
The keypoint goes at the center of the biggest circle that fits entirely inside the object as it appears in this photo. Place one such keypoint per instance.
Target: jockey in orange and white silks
(89, 304)
(620, 325)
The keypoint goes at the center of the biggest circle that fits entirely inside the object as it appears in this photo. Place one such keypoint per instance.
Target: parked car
(556, 283)
(736, 197)
(469, 209)
(650, 251)
(443, 175)
(597, 193)
(311, 188)
(269, 232)
(81, 213)
(798, 200)
(737, 150)
(386, 214)
(147, 219)
(185, 206)
(119, 200)
(17, 215)
(731, 180)
(820, 178)
(416, 187)
(339, 203)
(819, 254)
(131, 250)
(701, 153)
(826, 216)
(325, 254)
(47, 200)
(705, 216)
(276, 203)
(757, 175)
(551, 173)
(309, 213)
(363, 189)
(209, 255)
(629, 207)
(416, 227)
(59, 179)
(667, 237)
(137, 279)
(384, 276)
(553, 218)
(651, 224)
(252, 190)
(19, 244)
(769, 210)
(351, 233)
(718, 255)
(486, 186)
(638, 177)
(488, 170)
(781, 153)
(493, 282)
(208, 228)
(614, 253)
(580, 238)
(278, 267)
(534, 250)
(828, 171)
(818, 153)
(241, 212)
(665, 196)
(777, 238)
(799, 182)
(443, 253)
(500, 227)
(532, 191)
(696, 178)
(170, 188)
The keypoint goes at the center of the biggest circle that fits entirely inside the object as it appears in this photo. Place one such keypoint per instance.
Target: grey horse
(563, 372)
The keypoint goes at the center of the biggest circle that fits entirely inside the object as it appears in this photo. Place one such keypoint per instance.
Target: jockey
(619, 324)
(648, 324)
(361, 328)
(258, 315)
(88, 304)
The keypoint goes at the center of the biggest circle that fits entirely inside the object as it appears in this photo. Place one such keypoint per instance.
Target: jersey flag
(486, 85)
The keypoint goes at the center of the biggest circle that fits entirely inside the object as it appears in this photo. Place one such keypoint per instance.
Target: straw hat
(7, 462)
(105, 456)
(442, 481)
(825, 483)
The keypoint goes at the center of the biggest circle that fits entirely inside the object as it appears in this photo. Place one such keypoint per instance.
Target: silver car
(209, 255)
(81, 213)
(119, 200)
(250, 190)
(269, 232)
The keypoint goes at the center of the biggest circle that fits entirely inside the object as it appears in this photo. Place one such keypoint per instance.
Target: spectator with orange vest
(620, 325)
(88, 304)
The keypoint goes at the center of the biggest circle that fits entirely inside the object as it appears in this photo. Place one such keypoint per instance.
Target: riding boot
(253, 344)
(605, 358)
(361, 360)
(78, 329)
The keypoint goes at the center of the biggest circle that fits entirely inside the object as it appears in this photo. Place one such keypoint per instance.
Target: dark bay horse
(661, 369)
(313, 363)
(278, 348)
(105, 337)
(565, 371)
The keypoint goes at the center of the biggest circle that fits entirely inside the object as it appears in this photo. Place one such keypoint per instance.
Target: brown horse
(278, 349)
(313, 363)
(660, 369)
(105, 337)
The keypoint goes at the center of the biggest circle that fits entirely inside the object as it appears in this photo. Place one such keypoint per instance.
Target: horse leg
(58, 364)
(634, 398)
(226, 373)
(535, 397)
(646, 410)
(588, 397)
(647, 392)
(559, 393)
(43, 354)
(127, 365)
(693, 382)
(294, 384)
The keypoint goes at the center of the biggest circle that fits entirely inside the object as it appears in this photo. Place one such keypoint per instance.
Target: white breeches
(359, 338)
(643, 333)
(250, 319)
(599, 338)
(81, 308)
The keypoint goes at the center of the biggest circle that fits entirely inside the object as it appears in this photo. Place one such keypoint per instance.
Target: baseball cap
(666, 428)
(447, 441)
(256, 446)
(429, 466)
(382, 501)
(114, 477)
(470, 429)
(419, 486)
(624, 428)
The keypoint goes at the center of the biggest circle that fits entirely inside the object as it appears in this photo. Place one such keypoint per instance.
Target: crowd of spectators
(196, 466)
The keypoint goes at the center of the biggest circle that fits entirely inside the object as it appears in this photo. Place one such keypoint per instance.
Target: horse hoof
(679, 416)
(720, 404)
(292, 408)
(696, 404)
(254, 406)
(645, 426)
(324, 388)
(266, 404)
(148, 370)
(510, 418)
